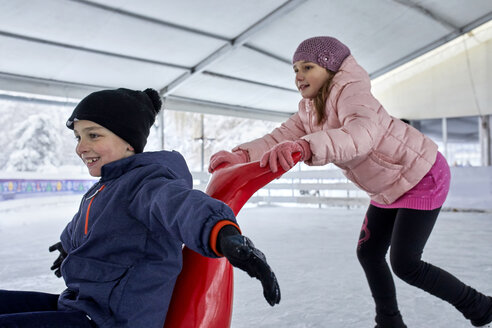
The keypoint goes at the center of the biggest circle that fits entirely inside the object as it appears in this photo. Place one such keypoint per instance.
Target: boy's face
(97, 146)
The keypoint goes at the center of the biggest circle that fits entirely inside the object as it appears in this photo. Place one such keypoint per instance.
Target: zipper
(310, 116)
(91, 197)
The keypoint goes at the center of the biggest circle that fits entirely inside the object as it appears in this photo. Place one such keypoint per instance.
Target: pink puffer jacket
(379, 153)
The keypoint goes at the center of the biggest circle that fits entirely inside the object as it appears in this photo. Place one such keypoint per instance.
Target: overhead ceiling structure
(230, 57)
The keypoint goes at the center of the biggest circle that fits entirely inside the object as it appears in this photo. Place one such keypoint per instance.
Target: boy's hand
(242, 254)
(57, 264)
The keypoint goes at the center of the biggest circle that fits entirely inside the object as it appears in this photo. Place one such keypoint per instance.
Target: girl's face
(97, 146)
(310, 77)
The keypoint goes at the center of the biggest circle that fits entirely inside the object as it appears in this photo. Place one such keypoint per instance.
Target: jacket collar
(171, 160)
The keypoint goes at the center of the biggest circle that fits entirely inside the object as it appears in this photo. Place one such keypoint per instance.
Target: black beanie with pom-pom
(127, 113)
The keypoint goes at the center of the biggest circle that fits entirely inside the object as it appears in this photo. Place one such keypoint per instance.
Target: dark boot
(486, 319)
(389, 321)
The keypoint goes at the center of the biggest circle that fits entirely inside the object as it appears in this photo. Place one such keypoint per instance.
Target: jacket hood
(351, 71)
(170, 160)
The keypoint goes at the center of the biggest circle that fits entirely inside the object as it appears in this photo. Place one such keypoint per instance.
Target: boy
(121, 253)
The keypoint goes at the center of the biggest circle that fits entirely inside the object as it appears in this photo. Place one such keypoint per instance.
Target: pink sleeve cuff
(306, 150)
(243, 153)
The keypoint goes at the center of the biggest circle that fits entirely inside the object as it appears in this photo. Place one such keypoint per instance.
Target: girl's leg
(373, 245)
(410, 234)
(32, 309)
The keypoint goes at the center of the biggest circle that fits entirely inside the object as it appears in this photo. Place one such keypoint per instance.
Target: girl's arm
(358, 113)
(291, 130)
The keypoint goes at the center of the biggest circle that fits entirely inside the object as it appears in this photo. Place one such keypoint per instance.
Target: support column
(161, 123)
(202, 139)
(203, 143)
(484, 135)
(416, 124)
(445, 136)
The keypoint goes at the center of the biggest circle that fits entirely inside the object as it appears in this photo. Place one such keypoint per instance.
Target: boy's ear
(130, 148)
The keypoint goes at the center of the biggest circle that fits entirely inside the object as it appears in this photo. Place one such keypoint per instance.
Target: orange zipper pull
(89, 208)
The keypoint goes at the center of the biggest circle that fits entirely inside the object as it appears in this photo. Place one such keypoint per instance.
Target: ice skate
(393, 321)
(486, 321)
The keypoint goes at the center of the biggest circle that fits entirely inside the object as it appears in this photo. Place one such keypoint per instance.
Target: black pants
(32, 309)
(407, 231)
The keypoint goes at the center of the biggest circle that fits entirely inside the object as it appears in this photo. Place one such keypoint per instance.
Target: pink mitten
(282, 153)
(223, 156)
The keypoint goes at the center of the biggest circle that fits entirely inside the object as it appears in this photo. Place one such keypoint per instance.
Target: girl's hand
(282, 153)
(223, 156)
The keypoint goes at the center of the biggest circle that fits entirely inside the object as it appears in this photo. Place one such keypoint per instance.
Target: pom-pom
(155, 98)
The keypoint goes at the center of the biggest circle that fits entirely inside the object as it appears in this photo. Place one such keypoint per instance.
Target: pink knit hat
(325, 51)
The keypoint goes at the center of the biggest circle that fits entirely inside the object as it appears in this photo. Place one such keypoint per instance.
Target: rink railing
(315, 187)
(471, 188)
(328, 187)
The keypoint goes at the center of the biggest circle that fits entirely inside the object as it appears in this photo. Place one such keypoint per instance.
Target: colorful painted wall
(15, 188)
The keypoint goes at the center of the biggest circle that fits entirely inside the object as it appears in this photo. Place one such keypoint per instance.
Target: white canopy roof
(217, 56)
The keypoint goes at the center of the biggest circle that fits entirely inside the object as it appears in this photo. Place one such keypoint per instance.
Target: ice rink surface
(311, 250)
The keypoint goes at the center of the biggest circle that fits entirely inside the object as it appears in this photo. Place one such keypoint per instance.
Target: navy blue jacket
(124, 244)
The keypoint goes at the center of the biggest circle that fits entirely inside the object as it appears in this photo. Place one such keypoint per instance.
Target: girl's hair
(320, 99)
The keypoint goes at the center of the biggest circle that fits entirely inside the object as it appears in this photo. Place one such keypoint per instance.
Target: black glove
(56, 265)
(242, 254)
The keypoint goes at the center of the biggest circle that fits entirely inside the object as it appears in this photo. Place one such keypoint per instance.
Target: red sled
(202, 296)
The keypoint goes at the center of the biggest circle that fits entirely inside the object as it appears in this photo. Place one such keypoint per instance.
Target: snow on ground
(311, 250)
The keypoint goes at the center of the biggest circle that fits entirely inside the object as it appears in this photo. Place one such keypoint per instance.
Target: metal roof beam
(36, 100)
(184, 104)
(434, 16)
(267, 20)
(90, 50)
(60, 89)
(65, 93)
(238, 41)
(149, 19)
(269, 54)
(233, 78)
(233, 44)
(453, 35)
(189, 71)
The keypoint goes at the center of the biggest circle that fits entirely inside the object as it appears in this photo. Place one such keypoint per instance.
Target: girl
(121, 253)
(339, 121)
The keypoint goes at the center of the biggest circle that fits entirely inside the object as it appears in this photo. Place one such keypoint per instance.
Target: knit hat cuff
(326, 52)
(127, 113)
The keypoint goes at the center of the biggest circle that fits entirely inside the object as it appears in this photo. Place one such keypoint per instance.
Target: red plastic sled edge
(202, 296)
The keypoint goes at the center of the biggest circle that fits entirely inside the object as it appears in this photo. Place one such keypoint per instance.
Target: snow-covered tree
(36, 144)
(35, 138)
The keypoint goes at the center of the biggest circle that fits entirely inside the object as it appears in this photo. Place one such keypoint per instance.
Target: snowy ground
(311, 250)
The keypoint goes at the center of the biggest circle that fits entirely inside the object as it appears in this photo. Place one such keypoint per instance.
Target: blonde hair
(320, 100)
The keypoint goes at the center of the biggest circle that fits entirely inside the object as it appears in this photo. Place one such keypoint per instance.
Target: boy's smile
(97, 146)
